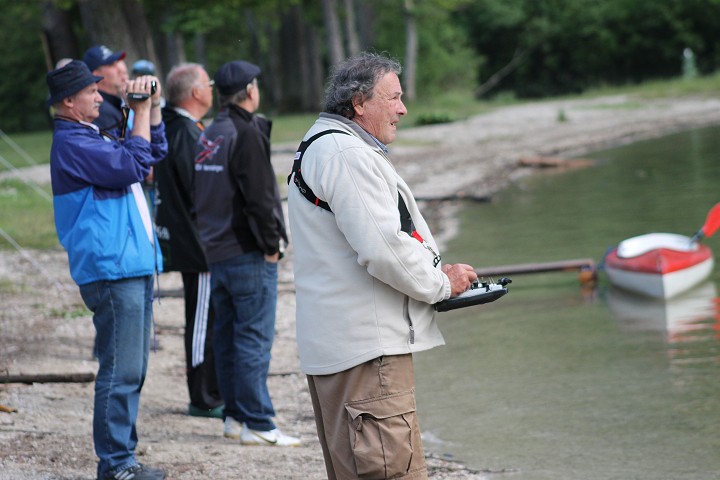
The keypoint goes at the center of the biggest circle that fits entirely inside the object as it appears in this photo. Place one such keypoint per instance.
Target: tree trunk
(58, 35)
(293, 54)
(351, 28)
(121, 26)
(140, 35)
(334, 38)
(366, 25)
(411, 51)
(274, 65)
(200, 52)
(174, 49)
(317, 72)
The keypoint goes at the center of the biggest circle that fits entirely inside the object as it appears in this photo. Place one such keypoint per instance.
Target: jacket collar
(170, 112)
(67, 122)
(236, 110)
(357, 129)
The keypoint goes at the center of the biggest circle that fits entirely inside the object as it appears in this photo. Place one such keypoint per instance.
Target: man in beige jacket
(367, 274)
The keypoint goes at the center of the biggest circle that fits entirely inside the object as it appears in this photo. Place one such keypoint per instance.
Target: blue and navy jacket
(97, 218)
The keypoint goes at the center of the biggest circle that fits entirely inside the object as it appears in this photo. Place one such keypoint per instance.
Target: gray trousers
(366, 420)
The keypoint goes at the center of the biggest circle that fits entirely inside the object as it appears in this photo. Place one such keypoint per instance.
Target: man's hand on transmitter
(461, 277)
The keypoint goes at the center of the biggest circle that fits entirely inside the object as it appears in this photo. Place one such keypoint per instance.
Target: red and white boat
(659, 265)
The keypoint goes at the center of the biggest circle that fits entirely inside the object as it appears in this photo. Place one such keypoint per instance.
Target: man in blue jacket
(104, 223)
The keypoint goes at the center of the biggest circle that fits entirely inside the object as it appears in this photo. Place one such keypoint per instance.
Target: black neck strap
(406, 222)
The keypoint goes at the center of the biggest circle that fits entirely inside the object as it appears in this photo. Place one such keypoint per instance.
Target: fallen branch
(6, 409)
(517, 59)
(48, 378)
(544, 162)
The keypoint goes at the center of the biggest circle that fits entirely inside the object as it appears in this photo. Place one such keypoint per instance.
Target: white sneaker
(233, 428)
(273, 438)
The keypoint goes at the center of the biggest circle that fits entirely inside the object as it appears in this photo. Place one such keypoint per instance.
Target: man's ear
(251, 90)
(358, 106)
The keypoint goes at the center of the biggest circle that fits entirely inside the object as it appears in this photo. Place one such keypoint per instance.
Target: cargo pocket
(384, 431)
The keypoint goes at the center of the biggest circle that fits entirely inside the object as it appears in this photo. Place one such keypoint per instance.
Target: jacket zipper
(406, 312)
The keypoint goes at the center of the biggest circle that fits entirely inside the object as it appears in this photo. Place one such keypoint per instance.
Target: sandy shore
(44, 329)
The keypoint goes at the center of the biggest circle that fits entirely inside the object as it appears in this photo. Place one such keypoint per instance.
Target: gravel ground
(46, 330)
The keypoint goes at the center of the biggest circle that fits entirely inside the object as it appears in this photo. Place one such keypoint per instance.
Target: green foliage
(445, 60)
(565, 46)
(23, 89)
(576, 44)
(227, 26)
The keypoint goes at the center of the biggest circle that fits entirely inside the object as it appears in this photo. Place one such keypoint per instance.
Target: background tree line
(531, 48)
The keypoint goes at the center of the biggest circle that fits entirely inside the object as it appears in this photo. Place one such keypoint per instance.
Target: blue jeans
(244, 294)
(122, 314)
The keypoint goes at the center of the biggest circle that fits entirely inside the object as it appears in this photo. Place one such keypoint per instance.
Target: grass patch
(25, 149)
(291, 128)
(708, 85)
(26, 216)
(8, 286)
(69, 312)
(445, 107)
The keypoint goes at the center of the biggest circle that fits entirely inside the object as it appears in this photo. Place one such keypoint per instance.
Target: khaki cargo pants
(366, 420)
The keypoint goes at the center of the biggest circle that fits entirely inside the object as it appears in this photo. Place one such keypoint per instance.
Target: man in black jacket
(241, 225)
(188, 91)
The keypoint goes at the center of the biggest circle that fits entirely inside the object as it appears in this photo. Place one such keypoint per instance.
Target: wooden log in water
(454, 197)
(585, 266)
(48, 378)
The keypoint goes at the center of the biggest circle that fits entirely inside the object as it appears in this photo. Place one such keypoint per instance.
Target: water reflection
(688, 321)
(677, 316)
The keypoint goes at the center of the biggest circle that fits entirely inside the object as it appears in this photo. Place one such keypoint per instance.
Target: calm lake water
(556, 382)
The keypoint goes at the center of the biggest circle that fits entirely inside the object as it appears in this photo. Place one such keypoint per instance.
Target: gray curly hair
(356, 77)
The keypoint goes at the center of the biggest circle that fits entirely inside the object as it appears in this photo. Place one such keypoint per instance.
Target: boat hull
(659, 272)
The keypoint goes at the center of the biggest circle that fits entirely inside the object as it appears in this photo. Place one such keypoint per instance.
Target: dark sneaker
(137, 472)
(216, 412)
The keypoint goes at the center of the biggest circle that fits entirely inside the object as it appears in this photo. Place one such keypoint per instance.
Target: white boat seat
(632, 247)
